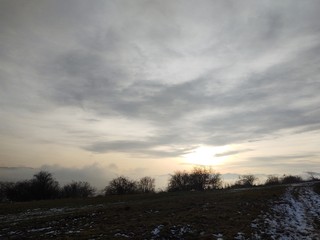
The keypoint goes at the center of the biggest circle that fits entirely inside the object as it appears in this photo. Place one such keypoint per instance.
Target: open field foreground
(284, 212)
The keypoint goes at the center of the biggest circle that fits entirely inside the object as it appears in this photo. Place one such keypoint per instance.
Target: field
(282, 212)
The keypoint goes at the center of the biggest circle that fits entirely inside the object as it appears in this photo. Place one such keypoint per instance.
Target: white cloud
(128, 77)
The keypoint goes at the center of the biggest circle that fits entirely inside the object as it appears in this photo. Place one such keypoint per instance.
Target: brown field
(187, 215)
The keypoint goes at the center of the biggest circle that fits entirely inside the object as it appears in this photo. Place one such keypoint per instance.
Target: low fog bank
(98, 176)
(94, 174)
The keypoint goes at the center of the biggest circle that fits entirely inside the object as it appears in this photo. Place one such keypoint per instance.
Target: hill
(257, 213)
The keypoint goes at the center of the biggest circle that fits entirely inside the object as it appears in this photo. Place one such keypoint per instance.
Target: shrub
(245, 181)
(77, 190)
(291, 179)
(4, 187)
(272, 180)
(20, 191)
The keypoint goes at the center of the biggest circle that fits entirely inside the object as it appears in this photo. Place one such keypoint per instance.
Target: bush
(291, 179)
(77, 190)
(4, 187)
(245, 181)
(20, 191)
(272, 180)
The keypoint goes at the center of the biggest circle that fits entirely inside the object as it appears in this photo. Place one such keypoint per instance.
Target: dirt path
(295, 216)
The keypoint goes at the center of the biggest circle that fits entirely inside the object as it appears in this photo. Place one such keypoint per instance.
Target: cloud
(12, 174)
(232, 152)
(139, 148)
(215, 73)
(280, 158)
(97, 175)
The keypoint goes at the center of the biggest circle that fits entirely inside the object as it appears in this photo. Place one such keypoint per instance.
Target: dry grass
(316, 187)
(201, 214)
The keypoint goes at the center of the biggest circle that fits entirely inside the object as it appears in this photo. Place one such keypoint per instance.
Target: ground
(295, 216)
(281, 212)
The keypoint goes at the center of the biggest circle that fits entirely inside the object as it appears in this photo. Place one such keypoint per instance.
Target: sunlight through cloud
(206, 155)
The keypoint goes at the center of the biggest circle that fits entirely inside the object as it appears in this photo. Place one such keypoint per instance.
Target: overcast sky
(105, 88)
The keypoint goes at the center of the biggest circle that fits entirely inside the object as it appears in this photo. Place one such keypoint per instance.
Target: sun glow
(206, 155)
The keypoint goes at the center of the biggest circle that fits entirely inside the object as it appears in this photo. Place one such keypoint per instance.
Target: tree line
(43, 185)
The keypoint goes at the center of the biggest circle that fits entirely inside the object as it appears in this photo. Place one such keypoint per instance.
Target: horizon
(17, 174)
(137, 88)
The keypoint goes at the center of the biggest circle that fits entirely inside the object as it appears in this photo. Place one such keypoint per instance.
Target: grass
(316, 187)
(192, 214)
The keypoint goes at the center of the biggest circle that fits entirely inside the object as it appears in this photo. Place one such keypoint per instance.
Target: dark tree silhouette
(291, 179)
(179, 181)
(121, 185)
(44, 186)
(146, 185)
(313, 176)
(199, 179)
(202, 178)
(20, 191)
(272, 180)
(4, 188)
(246, 181)
(77, 190)
(214, 181)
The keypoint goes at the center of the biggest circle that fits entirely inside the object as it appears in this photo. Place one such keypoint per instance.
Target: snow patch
(292, 217)
(155, 232)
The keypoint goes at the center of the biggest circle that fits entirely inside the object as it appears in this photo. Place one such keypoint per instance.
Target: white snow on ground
(177, 232)
(41, 213)
(294, 216)
(51, 230)
(155, 232)
(218, 236)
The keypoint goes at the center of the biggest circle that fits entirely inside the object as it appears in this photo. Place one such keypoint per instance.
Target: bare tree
(200, 179)
(203, 178)
(214, 181)
(246, 181)
(121, 185)
(44, 186)
(313, 176)
(179, 181)
(146, 185)
(77, 190)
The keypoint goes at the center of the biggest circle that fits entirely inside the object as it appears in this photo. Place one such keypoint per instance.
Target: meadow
(219, 214)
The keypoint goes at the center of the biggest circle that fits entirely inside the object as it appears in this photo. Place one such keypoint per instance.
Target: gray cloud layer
(215, 73)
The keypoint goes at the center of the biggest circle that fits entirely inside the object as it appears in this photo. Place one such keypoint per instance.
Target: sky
(91, 90)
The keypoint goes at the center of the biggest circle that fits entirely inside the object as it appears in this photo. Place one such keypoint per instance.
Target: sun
(205, 155)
